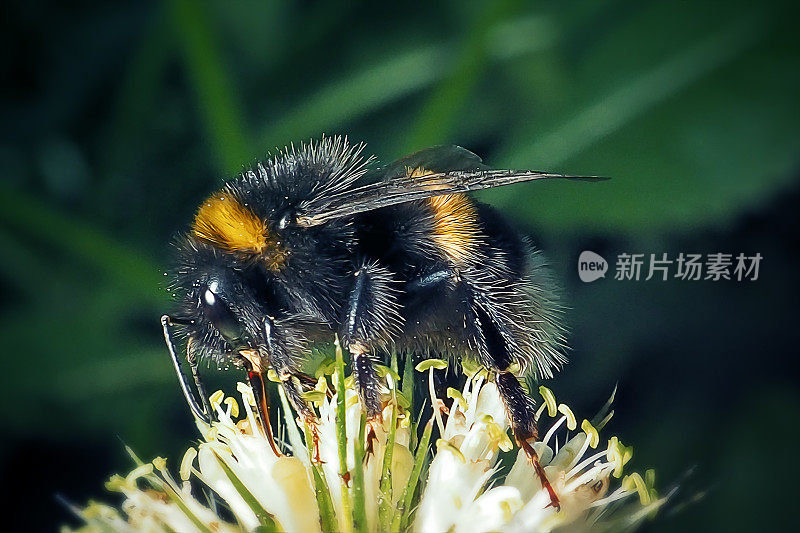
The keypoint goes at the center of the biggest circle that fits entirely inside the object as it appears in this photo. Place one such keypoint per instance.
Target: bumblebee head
(248, 276)
(229, 306)
(216, 301)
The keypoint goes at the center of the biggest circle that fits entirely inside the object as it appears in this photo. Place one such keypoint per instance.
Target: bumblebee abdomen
(455, 227)
(442, 229)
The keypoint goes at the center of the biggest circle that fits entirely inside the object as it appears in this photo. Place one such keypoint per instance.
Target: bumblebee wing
(409, 187)
(442, 158)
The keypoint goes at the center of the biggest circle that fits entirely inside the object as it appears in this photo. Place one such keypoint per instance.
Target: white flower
(466, 486)
(459, 495)
(465, 459)
(402, 460)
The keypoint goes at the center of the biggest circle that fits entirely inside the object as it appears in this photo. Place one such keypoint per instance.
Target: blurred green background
(117, 119)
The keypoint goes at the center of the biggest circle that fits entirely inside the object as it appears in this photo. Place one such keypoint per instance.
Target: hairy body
(317, 242)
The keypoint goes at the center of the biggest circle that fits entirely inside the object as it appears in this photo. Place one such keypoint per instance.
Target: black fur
(377, 278)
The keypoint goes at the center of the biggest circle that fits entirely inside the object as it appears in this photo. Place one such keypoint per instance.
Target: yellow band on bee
(224, 222)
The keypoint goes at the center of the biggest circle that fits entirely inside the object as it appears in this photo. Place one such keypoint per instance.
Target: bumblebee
(320, 241)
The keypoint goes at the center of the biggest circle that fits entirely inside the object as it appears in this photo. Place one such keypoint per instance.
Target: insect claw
(372, 436)
(533, 457)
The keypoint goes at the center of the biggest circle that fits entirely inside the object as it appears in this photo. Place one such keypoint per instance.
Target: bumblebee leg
(366, 380)
(371, 321)
(496, 346)
(200, 409)
(367, 383)
(522, 417)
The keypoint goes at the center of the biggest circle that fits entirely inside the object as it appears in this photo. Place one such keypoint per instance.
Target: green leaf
(687, 140)
(371, 87)
(215, 93)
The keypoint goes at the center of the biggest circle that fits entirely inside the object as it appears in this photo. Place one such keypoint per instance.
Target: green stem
(448, 100)
(359, 504)
(385, 502)
(327, 515)
(407, 386)
(341, 438)
(403, 514)
(408, 391)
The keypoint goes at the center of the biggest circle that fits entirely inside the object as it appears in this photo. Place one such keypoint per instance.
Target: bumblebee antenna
(202, 409)
(198, 382)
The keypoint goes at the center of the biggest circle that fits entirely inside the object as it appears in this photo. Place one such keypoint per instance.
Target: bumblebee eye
(286, 219)
(219, 314)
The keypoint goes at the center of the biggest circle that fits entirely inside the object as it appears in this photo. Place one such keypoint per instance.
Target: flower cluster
(471, 478)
